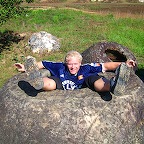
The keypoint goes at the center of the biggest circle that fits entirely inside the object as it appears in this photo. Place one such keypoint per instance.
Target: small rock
(43, 41)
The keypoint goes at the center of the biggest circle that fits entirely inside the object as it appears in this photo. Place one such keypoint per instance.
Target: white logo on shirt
(69, 85)
(62, 75)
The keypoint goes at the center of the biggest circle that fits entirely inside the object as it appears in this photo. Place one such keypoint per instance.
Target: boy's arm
(108, 66)
(40, 65)
(20, 67)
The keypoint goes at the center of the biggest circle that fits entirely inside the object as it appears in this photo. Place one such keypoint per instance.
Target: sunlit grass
(76, 30)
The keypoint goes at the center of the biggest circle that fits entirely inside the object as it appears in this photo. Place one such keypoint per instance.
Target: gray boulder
(81, 116)
(43, 42)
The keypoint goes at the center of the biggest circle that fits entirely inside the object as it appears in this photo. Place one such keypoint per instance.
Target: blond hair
(73, 54)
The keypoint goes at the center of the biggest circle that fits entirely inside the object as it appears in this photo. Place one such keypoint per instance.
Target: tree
(11, 8)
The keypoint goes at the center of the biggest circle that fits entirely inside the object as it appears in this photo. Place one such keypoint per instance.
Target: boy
(71, 74)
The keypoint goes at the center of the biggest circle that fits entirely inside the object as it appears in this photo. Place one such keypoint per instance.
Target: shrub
(11, 8)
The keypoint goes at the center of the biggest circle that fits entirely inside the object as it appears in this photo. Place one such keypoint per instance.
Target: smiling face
(73, 61)
(73, 65)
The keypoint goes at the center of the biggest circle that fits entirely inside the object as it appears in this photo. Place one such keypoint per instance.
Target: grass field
(76, 29)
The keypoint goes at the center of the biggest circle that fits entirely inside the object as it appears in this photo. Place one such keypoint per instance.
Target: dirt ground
(133, 10)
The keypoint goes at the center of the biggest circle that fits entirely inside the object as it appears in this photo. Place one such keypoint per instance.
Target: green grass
(75, 29)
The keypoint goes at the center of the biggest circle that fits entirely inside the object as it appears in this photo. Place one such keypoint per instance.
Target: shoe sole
(32, 71)
(36, 81)
(30, 65)
(122, 80)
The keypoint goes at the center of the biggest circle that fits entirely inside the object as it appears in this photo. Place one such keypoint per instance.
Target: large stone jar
(81, 116)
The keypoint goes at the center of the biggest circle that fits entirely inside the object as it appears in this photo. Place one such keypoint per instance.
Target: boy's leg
(94, 82)
(32, 70)
(119, 82)
(102, 85)
(116, 85)
(52, 83)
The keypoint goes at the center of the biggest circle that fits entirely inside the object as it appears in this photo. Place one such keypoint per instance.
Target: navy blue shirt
(70, 81)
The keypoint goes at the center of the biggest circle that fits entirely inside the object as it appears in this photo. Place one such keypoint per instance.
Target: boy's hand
(131, 63)
(19, 67)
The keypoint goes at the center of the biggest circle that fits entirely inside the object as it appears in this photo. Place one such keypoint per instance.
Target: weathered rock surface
(81, 116)
(42, 41)
(107, 51)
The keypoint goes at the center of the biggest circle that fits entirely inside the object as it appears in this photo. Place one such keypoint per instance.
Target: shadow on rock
(106, 96)
(28, 89)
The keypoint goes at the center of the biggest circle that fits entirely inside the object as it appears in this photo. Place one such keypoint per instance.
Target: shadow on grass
(140, 74)
(7, 38)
